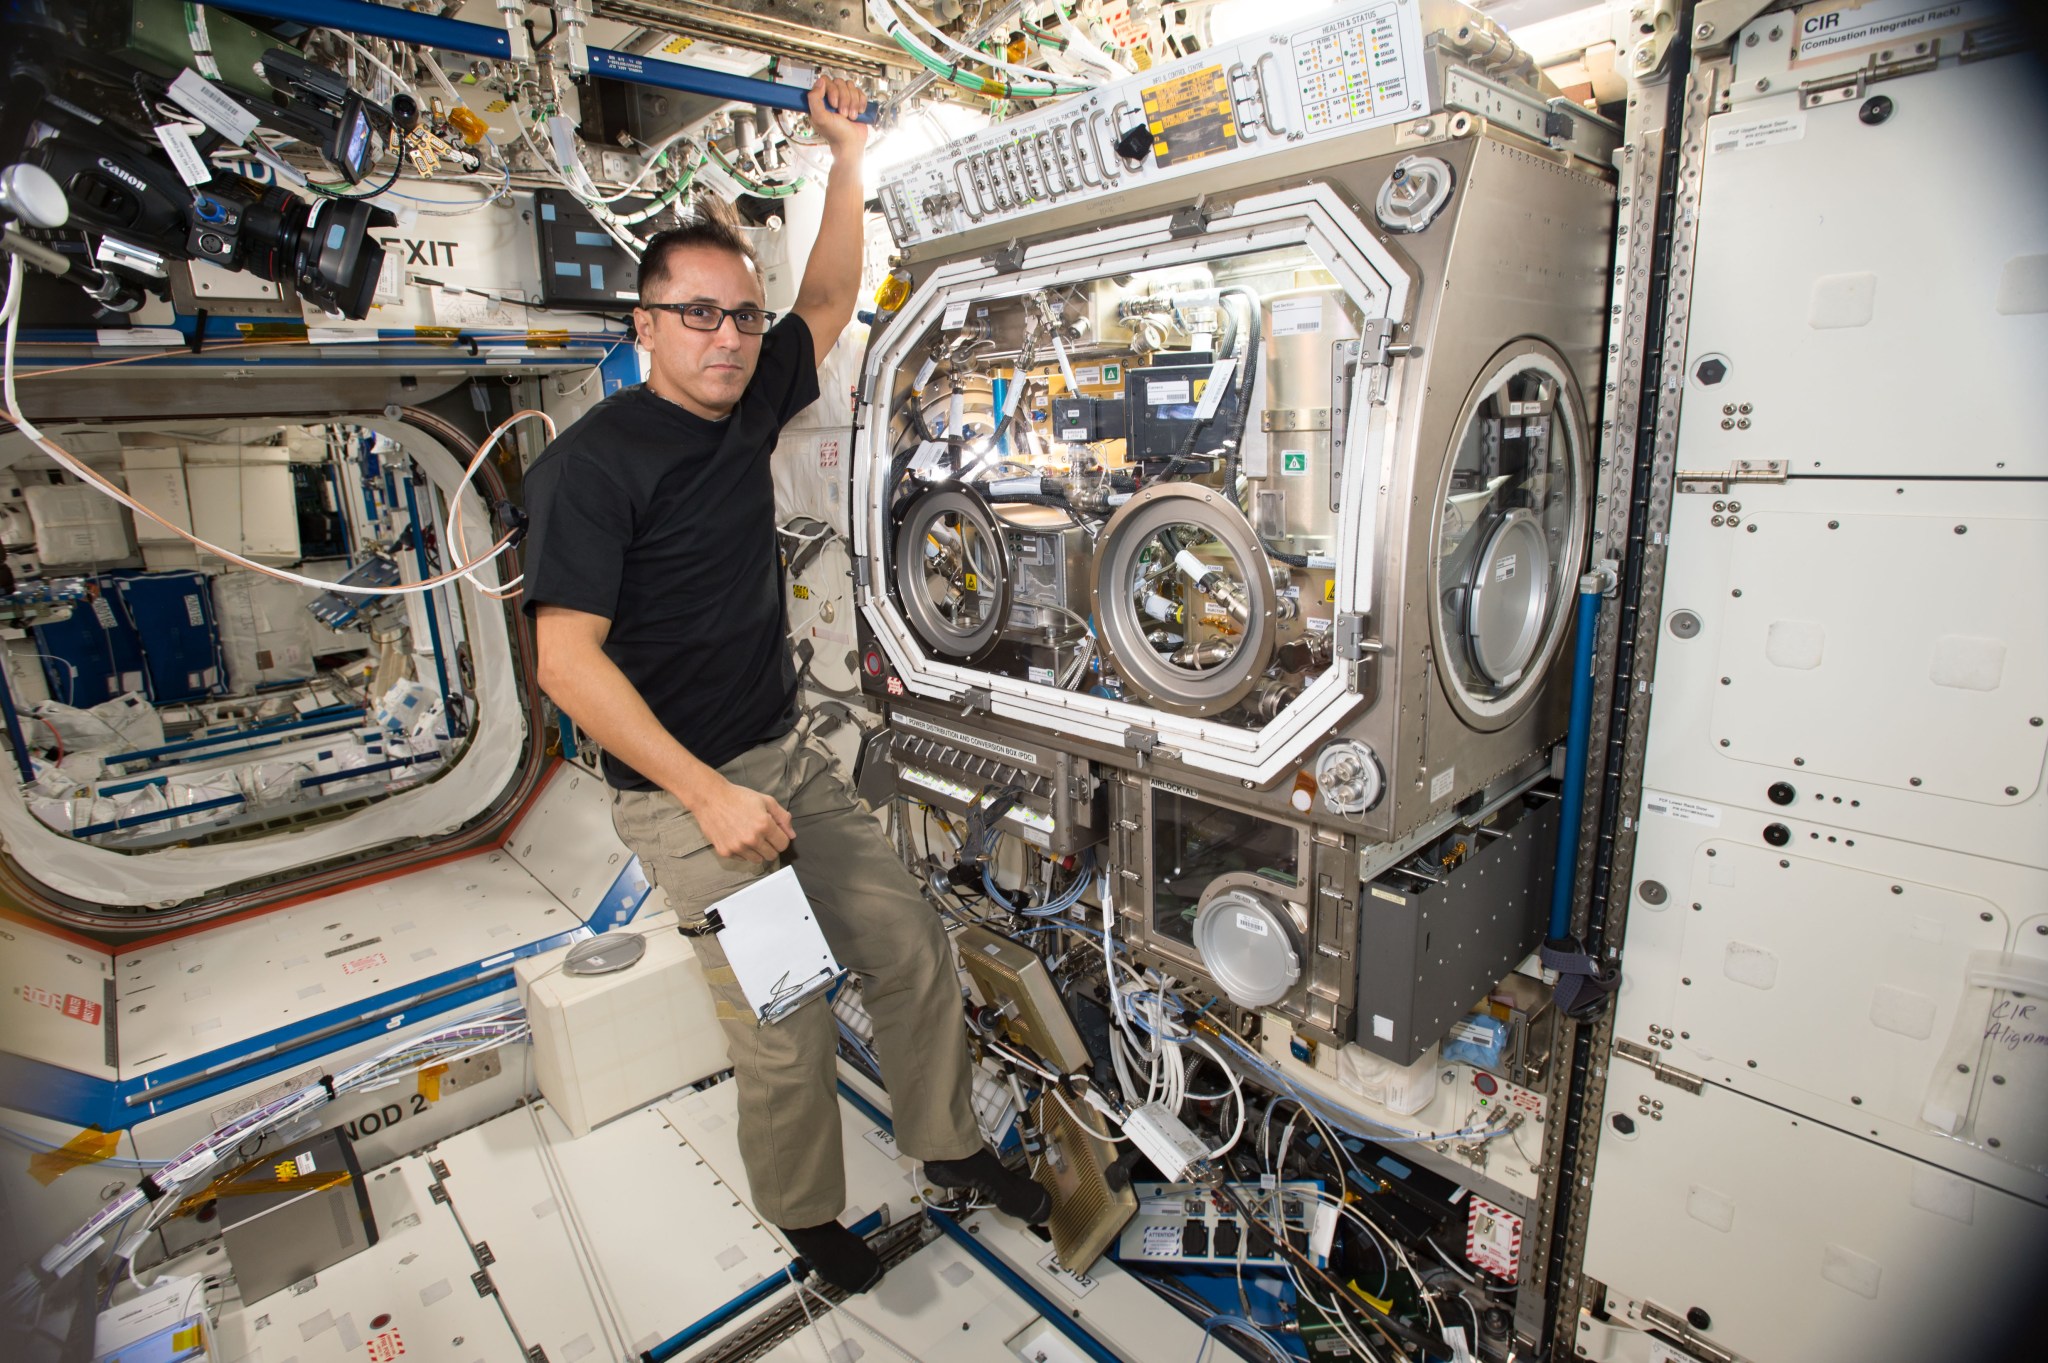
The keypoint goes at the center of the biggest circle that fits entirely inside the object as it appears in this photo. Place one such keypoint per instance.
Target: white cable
(995, 63)
(457, 543)
(584, 193)
(1236, 1091)
(1083, 48)
(1083, 1122)
(581, 1250)
(12, 313)
(647, 165)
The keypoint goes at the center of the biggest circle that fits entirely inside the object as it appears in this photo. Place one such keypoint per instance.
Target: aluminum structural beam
(481, 40)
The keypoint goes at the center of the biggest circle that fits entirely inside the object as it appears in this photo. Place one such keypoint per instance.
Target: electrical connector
(1165, 1140)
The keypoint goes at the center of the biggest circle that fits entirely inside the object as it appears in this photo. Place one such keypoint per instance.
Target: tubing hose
(1573, 798)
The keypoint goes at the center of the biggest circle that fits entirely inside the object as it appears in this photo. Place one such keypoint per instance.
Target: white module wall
(1843, 814)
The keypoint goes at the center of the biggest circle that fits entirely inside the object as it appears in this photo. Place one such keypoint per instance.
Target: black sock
(1014, 1194)
(837, 1255)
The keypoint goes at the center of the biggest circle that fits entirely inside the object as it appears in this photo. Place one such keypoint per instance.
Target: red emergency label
(70, 1005)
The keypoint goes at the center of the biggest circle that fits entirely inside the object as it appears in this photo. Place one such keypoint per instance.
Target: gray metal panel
(1423, 963)
(1528, 257)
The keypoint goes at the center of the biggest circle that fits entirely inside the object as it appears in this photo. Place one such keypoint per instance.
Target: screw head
(1697, 1317)
(1875, 110)
(1703, 32)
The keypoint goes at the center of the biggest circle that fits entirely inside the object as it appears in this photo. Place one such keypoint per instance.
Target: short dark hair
(711, 223)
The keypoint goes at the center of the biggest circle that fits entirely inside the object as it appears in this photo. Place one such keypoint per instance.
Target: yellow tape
(1385, 1304)
(430, 1082)
(89, 1146)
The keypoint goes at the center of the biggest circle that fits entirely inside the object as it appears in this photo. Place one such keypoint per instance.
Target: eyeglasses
(710, 317)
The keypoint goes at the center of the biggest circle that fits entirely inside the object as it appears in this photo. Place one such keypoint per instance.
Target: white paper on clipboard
(773, 943)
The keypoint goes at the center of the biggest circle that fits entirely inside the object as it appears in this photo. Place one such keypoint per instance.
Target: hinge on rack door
(1654, 1063)
(1716, 481)
(1347, 637)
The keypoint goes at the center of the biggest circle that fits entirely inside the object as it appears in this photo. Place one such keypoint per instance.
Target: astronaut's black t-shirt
(664, 523)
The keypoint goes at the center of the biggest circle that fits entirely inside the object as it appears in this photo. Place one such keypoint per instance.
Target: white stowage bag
(1404, 1089)
(266, 633)
(122, 724)
(86, 810)
(272, 783)
(180, 791)
(403, 706)
(77, 525)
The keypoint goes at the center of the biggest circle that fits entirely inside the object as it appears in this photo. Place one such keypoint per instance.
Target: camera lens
(337, 261)
(324, 248)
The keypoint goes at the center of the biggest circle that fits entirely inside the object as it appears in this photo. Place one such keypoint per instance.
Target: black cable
(1387, 1324)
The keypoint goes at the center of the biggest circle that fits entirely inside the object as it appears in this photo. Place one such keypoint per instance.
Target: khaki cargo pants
(878, 926)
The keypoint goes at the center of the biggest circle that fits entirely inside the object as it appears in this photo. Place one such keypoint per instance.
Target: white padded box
(606, 1044)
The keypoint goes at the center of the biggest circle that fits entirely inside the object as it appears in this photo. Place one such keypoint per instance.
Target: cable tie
(327, 1082)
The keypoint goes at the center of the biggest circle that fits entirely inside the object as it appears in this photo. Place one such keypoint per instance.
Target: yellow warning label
(677, 44)
(89, 1146)
(800, 592)
(287, 1170)
(972, 583)
(1190, 116)
(1330, 592)
(187, 1338)
(497, 106)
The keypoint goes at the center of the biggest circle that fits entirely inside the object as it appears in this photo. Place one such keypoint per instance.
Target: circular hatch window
(1509, 532)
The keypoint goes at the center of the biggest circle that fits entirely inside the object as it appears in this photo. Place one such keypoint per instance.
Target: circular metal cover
(1247, 945)
(1513, 501)
(952, 575)
(605, 955)
(1132, 552)
(1414, 193)
(1510, 594)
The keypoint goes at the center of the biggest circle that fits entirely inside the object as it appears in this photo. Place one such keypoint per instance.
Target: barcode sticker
(200, 97)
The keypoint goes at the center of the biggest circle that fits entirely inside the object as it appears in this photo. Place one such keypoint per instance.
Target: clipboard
(772, 941)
